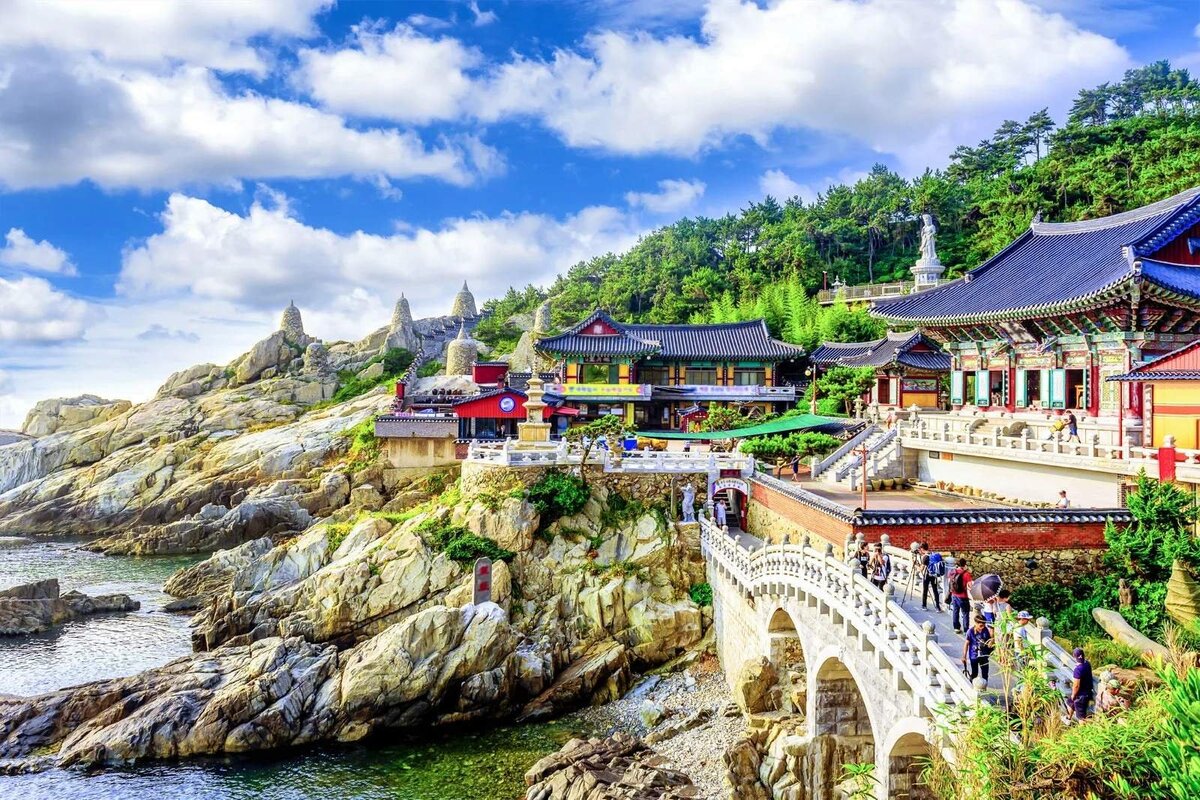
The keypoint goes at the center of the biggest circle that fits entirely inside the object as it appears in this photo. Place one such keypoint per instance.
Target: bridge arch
(788, 652)
(902, 759)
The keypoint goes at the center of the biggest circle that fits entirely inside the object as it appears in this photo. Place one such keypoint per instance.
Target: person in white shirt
(1063, 502)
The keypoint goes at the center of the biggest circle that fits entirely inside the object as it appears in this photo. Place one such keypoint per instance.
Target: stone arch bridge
(873, 673)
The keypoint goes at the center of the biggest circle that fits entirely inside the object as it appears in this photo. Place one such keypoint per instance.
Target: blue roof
(895, 348)
(732, 340)
(1054, 266)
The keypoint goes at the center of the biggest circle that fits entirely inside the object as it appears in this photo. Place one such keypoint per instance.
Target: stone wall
(419, 452)
(738, 633)
(1026, 481)
(649, 488)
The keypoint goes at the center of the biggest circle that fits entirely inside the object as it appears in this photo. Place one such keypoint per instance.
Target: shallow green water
(485, 765)
(482, 766)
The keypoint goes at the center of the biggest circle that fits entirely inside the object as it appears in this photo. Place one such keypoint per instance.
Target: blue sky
(171, 174)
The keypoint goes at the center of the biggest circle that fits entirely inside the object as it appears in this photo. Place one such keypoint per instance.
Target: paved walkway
(950, 642)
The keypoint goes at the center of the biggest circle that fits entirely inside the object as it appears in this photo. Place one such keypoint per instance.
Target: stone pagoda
(534, 428)
(464, 304)
(292, 325)
(461, 353)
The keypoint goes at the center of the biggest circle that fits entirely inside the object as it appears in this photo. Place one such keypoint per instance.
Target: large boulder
(38, 606)
(215, 574)
(1121, 631)
(275, 351)
(601, 673)
(606, 769)
(65, 414)
(511, 524)
(753, 689)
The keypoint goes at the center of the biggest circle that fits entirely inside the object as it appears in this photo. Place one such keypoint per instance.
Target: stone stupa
(464, 304)
(292, 324)
(400, 330)
(461, 353)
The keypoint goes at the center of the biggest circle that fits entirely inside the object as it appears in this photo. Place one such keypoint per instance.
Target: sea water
(483, 764)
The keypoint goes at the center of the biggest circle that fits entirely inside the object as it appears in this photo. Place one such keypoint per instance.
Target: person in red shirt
(960, 604)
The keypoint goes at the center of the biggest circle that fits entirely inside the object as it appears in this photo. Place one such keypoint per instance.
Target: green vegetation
(395, 360)
(838, 387)
(611, 427)
(620, 569)
(1123, 145)
(701, 594)
(787, 446)
(459, 543)
(430, 368)
(336, 534)
(364, 447)
(1142, 553)
(557, 494)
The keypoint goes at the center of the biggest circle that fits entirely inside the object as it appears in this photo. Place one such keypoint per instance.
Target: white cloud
(214, 34)
(31, 310)
(482, 18)
(159, 331)
(267, 256)
(65, 123)
(776, 183)
(910, 78)
(672, 195)
(400, 75)
(22, 252)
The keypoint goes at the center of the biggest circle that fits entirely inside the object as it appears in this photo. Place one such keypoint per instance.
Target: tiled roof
(895, 348)
(733, 340)
(1055, 266)
(471, 398)
(1151, 370)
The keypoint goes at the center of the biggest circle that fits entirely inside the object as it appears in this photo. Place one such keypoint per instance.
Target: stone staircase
(843, 467)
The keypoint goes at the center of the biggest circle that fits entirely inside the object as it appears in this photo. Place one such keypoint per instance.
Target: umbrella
(985, 587)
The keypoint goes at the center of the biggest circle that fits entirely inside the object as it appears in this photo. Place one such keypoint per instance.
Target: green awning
(786, 425)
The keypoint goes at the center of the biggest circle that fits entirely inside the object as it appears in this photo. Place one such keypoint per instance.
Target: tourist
(960, 604)
(880, 567)
(977, 649)
(996, 605)
(863, 557)
(795, 468)
(1057, 425)
(719, 512)
(891, 418)
(1112, 699)
(1072, 427)
(933, 569)
(1082, 685)
(1063, 502)
(1021, 634)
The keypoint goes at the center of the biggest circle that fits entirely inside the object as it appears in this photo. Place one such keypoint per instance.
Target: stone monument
(927, 272)
(292, 325)
(464, 304)
(461, 353)
(689, 503)
(534, 428)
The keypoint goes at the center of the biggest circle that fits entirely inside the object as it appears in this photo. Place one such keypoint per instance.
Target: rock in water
(36, 607)
(606, 769)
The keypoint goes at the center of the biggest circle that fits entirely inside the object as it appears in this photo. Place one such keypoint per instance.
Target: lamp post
(825, 279)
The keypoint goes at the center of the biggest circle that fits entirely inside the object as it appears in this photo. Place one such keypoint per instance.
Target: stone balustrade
(513, 454)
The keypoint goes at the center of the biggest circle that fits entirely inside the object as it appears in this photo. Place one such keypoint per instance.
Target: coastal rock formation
(36, 607)
(606, 769)
(439, 666)
(215, 574)
(67, 414)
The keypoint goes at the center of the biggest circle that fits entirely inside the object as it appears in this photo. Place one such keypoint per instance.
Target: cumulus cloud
(22, 252)
(672, 196)
(61, 123)
(401, 75)
(266, 256)
(212, 34)
(776, 183)
(160, 331)
(904, 77)
(31, 310)
(482, 18)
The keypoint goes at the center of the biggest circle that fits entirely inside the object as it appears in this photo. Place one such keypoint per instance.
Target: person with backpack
(880, 567)
(933, 568)
(960, 604)
(977, 649)
(863, 557)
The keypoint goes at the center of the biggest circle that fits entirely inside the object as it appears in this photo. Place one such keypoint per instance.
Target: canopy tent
(802, 422)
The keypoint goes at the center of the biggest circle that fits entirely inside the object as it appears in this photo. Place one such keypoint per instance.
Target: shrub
(335, 535)
(787, 446)
(1102, 651)
(557, 494)
(429, 369)
(701, 594)
(395, 361)
(364, 447)
(467, 547)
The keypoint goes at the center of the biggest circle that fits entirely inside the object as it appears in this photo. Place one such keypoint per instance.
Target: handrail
(820, 466)
(876, 446)
(911, 648)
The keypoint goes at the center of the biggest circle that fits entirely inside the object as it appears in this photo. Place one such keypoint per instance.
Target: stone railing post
(1093, 443)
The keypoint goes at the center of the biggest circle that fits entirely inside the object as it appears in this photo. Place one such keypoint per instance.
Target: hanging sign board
(737, 484)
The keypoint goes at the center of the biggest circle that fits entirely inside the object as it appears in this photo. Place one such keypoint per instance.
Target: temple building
(908, 367)
(1044, 323)
(658, 375)
(1170, 397)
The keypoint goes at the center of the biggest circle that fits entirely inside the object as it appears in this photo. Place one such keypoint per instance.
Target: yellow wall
(922, 399)
(1177, 413)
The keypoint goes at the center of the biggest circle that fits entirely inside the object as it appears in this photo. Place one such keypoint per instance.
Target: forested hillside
(1122, 146)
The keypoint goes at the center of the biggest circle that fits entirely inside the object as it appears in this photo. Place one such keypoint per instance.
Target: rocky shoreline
(38, 606)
